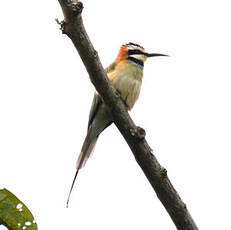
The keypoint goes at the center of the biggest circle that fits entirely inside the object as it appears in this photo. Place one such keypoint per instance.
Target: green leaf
(14, 214)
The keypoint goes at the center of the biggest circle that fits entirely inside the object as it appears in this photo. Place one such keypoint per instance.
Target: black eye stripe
(131, 52)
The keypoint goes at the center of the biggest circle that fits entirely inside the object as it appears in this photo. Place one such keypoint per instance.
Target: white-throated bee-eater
(125, 74)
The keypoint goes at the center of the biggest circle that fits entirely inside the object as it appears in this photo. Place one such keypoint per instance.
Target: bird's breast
(127, 80)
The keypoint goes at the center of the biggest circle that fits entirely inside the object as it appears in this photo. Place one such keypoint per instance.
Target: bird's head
(135, 53)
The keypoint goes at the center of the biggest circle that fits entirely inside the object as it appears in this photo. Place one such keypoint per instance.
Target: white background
(184, 106)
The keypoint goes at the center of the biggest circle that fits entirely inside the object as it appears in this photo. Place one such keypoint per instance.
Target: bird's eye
(131, 52)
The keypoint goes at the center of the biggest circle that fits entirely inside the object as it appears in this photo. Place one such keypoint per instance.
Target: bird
(125, 74)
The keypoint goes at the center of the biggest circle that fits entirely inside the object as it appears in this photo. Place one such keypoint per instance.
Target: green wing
(97, 101)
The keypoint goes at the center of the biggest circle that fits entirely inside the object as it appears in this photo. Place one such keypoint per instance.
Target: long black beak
(155, 55)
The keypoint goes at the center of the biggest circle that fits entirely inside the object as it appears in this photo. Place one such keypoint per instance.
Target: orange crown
(123, 53)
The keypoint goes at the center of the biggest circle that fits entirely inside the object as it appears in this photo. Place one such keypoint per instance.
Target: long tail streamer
(76, 173)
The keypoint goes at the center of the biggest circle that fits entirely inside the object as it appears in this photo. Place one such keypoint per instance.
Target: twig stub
(139, 133)
(75, 6)
(62, 25)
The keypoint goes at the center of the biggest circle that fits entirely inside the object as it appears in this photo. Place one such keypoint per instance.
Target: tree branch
(135, 136)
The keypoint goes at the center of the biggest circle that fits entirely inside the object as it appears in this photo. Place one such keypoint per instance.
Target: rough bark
(73, 27)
